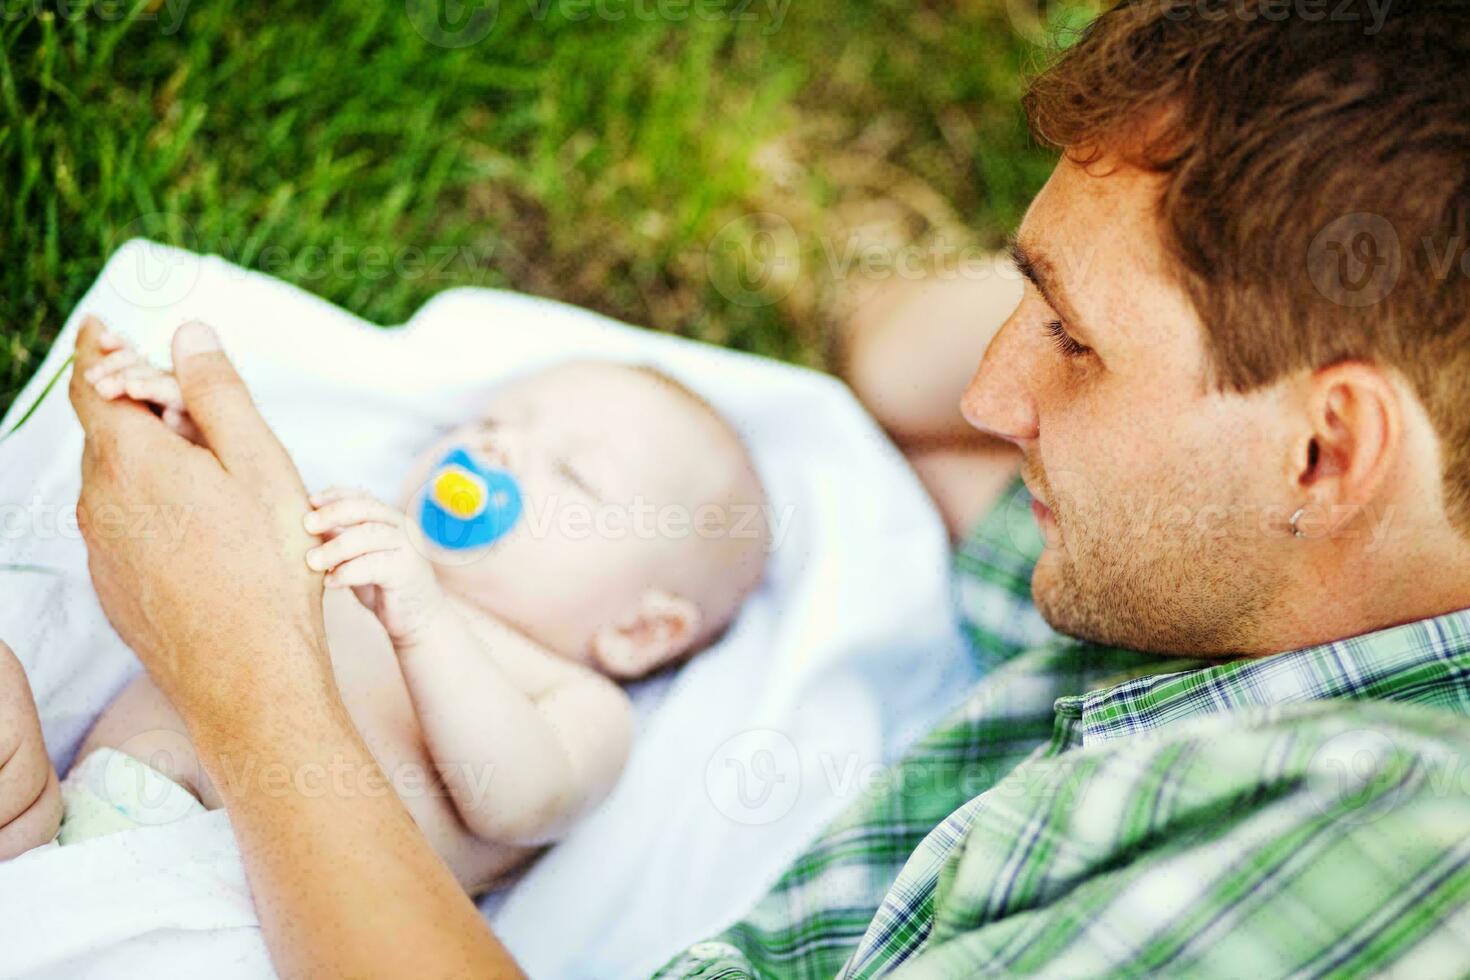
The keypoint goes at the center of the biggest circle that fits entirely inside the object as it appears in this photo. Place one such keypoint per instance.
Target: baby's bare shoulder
(530, 666)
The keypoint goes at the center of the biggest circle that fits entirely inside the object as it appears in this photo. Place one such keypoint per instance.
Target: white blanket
(846, 654)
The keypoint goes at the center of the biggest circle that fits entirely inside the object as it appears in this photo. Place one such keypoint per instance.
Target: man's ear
(658, 628)
(1356, 430)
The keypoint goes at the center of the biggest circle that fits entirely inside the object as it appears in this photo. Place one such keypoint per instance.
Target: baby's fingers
(363, 539)
(374, 568)
(110, 341)
(155, 388)
(344, 509)
(110, 365)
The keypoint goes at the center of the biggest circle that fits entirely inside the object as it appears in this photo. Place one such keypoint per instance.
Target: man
(1239, 458)
(1236, 381)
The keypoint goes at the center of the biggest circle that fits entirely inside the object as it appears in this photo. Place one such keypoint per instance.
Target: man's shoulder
(1344, 759)
(1343, 811)
(1340, 751)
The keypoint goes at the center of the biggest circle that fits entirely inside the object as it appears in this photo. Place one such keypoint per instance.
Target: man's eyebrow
(1039, 271)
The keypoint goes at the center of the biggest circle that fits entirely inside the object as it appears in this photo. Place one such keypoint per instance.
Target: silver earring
(1293, 522)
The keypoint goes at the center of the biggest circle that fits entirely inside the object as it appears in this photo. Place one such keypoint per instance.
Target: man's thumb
(220, 405)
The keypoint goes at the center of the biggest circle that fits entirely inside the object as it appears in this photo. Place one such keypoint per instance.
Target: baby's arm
(524, 742)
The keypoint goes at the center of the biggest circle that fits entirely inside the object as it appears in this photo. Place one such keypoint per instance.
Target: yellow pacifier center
(459, 492)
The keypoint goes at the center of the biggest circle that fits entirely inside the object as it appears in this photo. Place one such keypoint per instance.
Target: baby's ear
(657, 629)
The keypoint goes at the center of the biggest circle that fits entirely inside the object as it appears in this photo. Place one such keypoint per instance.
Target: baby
(595, 523)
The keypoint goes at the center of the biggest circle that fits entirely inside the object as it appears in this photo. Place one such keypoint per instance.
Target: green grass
(646, 166)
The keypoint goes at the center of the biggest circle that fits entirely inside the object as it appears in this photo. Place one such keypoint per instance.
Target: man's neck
(1348, 593)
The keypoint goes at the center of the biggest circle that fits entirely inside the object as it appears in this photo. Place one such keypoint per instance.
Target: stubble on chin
(1177, 598)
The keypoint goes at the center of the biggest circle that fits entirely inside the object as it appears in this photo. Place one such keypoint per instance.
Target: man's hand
(206, 609)
(125, 373)
(228, 620)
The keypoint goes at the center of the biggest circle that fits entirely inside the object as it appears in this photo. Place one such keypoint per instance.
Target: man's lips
(1040, 511)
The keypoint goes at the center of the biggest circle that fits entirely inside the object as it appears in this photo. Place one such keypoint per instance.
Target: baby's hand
(123, 373)
(366, 547)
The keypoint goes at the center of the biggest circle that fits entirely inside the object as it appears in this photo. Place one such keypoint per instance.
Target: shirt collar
(1426, 661)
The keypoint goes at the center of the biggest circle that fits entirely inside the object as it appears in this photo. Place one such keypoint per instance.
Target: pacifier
(466, 505)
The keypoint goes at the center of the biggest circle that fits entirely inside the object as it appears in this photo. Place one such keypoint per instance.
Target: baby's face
(606, 459)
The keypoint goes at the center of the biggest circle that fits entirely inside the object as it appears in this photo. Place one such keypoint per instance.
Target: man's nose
(999, 400)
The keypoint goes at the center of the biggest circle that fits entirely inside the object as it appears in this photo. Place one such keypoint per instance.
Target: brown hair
(1317, 180)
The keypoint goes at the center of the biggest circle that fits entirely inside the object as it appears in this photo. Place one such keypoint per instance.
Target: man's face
(1157, 495)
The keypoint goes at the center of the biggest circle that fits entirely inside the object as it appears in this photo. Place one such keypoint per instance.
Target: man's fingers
(104, 422)
(221, 408)
(88, 355)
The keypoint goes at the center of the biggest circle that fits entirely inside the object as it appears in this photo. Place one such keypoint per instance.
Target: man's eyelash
(1067, 345)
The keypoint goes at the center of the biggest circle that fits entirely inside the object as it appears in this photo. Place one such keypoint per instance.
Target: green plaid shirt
(1094, 811)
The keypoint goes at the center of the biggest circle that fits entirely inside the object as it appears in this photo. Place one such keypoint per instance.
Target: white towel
(846, 654)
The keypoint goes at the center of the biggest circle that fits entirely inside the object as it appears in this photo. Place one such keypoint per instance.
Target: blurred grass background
(723, 169)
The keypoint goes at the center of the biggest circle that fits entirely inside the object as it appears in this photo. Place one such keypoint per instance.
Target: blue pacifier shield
(466, 505)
